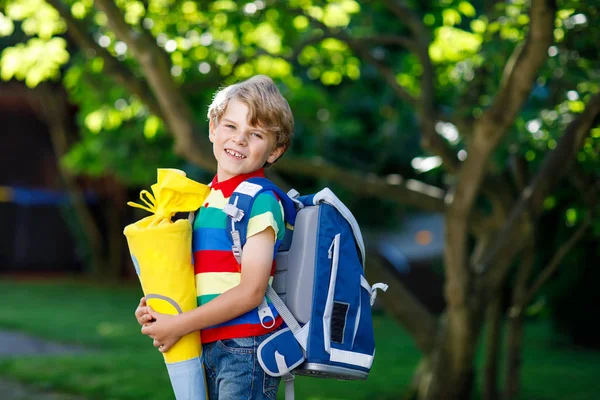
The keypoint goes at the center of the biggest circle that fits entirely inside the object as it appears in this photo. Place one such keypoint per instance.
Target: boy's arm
(257, 259)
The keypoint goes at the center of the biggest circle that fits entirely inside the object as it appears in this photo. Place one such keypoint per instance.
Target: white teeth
(235, 154)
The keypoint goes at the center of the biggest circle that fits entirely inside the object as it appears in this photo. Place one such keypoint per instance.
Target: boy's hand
(141, 313)
(163, 330)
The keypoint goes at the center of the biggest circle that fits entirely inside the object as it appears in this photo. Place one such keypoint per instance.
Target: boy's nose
(239, 138)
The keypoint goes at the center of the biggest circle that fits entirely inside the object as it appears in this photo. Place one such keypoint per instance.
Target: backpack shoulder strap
(240, 206)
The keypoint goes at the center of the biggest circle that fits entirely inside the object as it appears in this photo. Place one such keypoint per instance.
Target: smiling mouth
(235, 154)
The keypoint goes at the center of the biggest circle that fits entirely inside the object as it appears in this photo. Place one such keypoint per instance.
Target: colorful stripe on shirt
(217, 269)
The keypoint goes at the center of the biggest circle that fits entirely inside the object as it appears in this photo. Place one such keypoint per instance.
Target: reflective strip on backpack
(327, 196)
(352, 358)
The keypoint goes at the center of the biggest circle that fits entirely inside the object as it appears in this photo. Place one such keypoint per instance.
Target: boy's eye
(257, 134)
(229, 126)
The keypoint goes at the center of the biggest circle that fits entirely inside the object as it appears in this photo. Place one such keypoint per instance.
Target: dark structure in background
(33, 238)
(415, 253)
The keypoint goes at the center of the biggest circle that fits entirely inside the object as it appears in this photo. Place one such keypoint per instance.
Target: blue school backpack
(319, 287)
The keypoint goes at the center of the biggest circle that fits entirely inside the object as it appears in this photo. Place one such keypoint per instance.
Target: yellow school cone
(161, 251)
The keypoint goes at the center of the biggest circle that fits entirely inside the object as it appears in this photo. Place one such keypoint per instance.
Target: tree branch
(425, 104)
(393, 187)
(553, 265)
(78, 32)
(178, 116)
(514, 337)
(521, 70)
(404, 14)
(362, 50)
(402, 305)
(430, 140)
(520, 73)
(555, 165)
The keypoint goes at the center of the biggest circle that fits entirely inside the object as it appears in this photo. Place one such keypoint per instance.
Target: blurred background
(463, 135)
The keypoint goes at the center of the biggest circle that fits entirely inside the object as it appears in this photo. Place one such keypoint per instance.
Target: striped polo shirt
(215, 266)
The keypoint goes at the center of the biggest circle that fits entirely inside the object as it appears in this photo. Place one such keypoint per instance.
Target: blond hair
(267, 108)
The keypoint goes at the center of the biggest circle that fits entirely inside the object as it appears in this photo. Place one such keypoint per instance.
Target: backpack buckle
(236, 249)
(293, 195)
(235, 213)
(265, 313)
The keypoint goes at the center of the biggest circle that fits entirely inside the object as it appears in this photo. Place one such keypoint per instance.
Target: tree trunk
(492, 348)
(515, 325)
(451, 374)
(54, 112)
(115, 242)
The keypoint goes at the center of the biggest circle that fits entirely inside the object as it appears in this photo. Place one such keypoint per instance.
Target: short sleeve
(267, 211)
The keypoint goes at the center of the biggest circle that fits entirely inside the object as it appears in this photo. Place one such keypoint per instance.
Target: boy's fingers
(153, 314)
(147, 329)
(161, 347)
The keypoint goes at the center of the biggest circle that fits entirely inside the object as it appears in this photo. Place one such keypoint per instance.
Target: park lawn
(123, 364)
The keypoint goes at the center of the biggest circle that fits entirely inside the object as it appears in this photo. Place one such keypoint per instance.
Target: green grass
(123, 364)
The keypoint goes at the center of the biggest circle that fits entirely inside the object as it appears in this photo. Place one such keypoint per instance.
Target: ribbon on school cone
(161, 250)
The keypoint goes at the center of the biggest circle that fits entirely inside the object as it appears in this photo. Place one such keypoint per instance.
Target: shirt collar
(227, 187)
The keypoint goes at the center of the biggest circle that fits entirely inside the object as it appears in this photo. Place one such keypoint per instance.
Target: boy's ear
(275, 154)
(211, 131)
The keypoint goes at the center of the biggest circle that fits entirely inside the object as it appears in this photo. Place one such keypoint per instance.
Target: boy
(250, 126)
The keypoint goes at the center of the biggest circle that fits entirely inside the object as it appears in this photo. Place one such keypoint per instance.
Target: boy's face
(238, 147)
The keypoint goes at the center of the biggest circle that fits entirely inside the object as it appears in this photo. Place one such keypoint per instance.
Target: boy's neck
(229, 185)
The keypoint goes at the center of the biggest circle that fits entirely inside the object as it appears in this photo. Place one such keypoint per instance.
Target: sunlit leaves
(223, 5)
(34, 61)
(152, 125)
(105, 118)
(336, 13)
(266, 65)
(453, 44)
(265, 36)
(134, 11)
(330, 61)
(479, 25)
(301, 22)
(38, 18)
(81, 8)
(6, 25)
(451, 17)
(466, 9)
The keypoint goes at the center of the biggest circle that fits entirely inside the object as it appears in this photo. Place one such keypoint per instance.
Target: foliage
(342, 109)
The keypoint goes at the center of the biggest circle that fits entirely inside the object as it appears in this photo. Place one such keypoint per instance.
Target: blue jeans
(234, 373)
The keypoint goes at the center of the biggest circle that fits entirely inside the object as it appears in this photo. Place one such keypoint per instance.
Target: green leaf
(451, 17)
(151, 127)
(7, 26)
(466, 9)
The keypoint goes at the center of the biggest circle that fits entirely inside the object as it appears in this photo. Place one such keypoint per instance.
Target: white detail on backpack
(235, 213)
(293, 194)
(236, 216)
(264, 312)
(352, 358)
(282, 369)
(248, 188)
(380, 286)
(301, 336)
(327, 196)
(357, 320)
(372, 289)
(335, 246)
